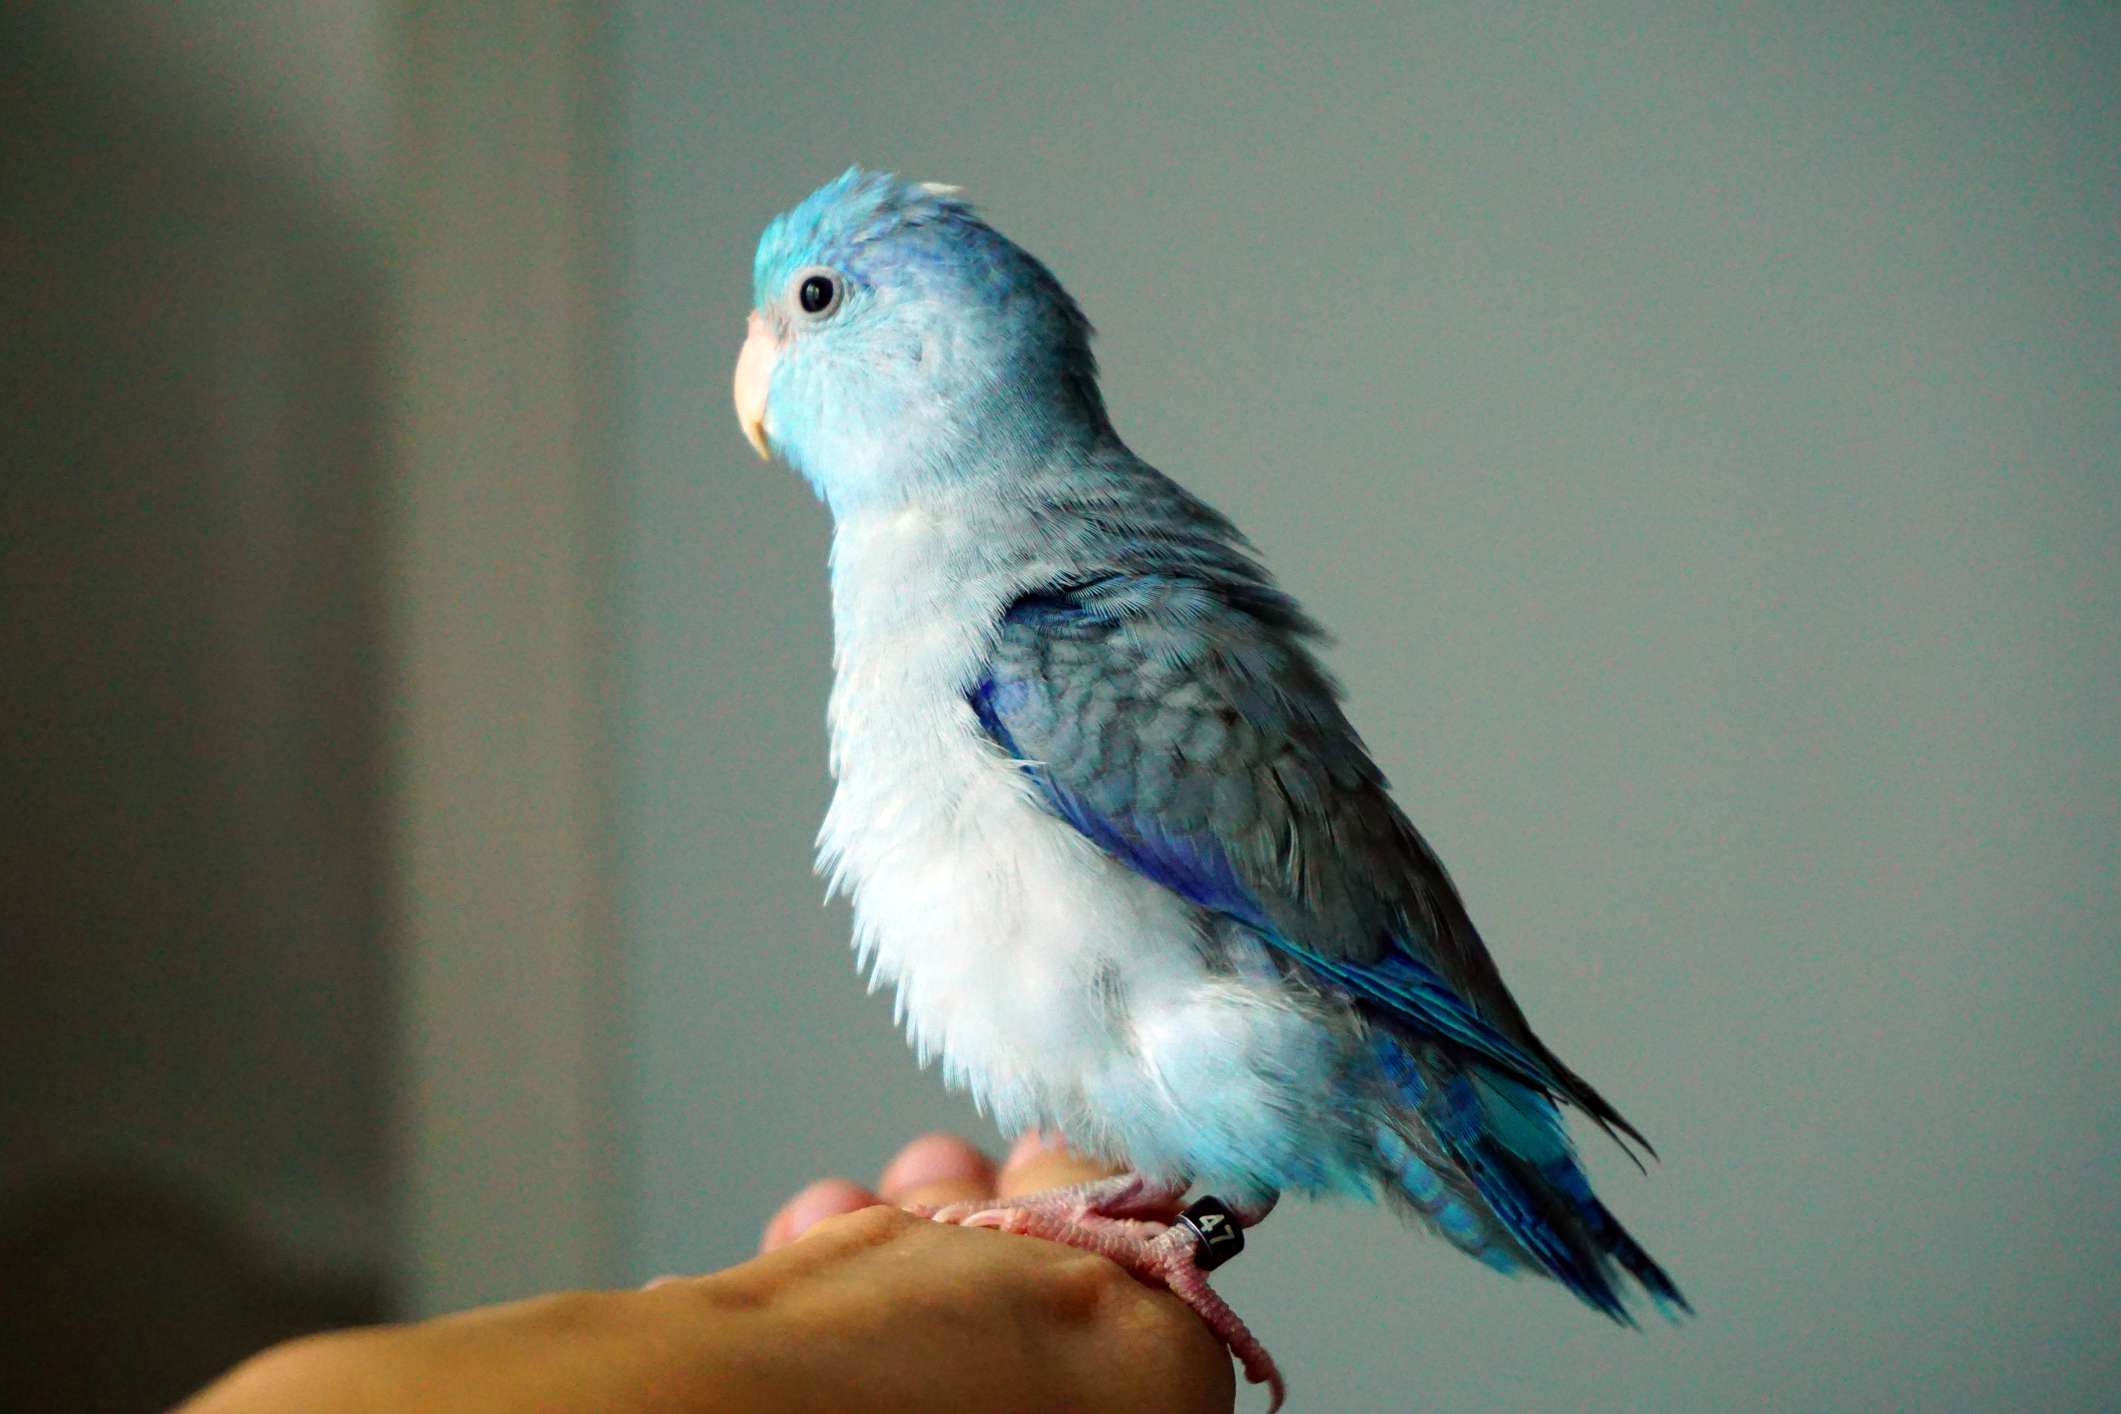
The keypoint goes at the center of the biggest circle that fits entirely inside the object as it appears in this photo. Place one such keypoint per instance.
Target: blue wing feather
(1195, 870)
(1199, 870)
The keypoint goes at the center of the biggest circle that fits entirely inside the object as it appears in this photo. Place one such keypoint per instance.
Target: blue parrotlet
(1104, 825)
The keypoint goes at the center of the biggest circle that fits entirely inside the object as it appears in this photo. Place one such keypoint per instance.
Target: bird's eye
(818, 293)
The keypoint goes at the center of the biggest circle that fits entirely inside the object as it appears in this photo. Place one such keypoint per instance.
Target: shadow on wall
(192, 1022)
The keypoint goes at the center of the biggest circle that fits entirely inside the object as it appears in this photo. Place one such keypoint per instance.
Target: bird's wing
(1204, 748)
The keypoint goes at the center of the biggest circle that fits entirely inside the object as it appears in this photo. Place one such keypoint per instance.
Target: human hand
(1055, 1328)
(872, 1309)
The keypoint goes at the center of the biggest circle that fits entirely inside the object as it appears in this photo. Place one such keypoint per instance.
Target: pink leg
(1129, 1220)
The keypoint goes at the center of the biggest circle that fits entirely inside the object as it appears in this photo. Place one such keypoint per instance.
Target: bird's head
(899, 342)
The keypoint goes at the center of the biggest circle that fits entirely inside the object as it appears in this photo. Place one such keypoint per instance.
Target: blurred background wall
(193, 1157)
(1700, 432)
(300, 919)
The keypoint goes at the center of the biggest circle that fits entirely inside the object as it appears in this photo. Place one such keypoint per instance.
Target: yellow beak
(754, 374)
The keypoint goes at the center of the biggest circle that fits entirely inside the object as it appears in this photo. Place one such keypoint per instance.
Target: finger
(936, 1169)
(1041, 1161)
(826, 1198)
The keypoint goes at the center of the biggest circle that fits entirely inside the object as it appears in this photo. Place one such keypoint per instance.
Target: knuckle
(866, 1227)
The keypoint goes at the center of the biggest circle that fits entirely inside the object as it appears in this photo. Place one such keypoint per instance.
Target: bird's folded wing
(1190, 735)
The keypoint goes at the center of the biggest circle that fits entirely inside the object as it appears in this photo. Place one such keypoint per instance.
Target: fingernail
(826, 1198)
(932, 1158)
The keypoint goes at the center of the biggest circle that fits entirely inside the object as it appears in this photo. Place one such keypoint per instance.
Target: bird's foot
(1138, 1225)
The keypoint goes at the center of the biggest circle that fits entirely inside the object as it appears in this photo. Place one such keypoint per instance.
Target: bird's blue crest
(853, 210)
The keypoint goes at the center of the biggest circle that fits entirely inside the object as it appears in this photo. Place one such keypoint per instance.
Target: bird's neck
(938, 447)
(898, 566)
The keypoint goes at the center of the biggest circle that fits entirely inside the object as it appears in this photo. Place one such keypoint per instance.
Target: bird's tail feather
(1483, 1158)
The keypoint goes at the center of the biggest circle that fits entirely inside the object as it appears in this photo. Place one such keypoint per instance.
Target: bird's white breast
(1058, 986)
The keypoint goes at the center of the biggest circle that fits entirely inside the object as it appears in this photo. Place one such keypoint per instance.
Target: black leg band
(1216, 1236)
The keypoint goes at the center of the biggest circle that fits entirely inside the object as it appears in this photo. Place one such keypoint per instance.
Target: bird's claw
(1109, 1219)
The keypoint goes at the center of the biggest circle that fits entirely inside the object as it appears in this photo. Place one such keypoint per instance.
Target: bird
(1106, 830)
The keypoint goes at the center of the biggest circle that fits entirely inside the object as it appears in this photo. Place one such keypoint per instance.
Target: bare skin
(854, 1304)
